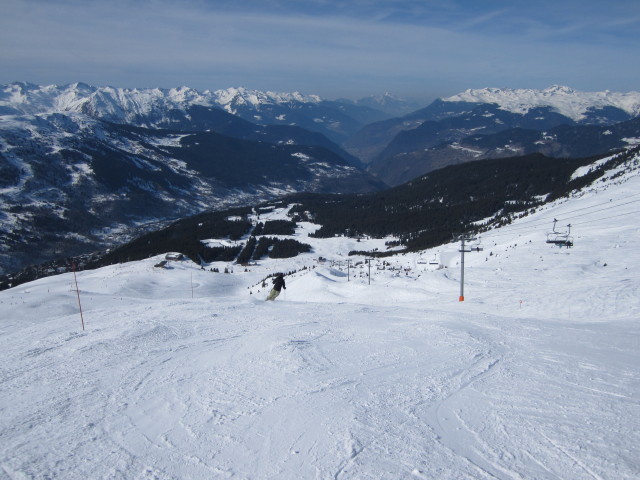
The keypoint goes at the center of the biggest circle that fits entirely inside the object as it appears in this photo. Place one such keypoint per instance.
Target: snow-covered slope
(564, 100)
(185, 373)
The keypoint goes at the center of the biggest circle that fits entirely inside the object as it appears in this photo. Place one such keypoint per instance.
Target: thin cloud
(315, 47)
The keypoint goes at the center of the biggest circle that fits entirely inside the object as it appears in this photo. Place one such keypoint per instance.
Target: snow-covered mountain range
(80, 163)
(579, 106)
(168, 108)
(124, 105)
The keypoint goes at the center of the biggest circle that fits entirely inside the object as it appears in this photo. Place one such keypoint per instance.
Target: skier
(278, 284)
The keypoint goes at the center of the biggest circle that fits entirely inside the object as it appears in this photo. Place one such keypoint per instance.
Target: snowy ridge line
(571, 103)
(25, 98)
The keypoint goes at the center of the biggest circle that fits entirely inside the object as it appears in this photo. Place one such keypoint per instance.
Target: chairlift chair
(477, 246)
(561, 239)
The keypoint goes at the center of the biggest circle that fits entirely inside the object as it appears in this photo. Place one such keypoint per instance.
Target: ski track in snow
(534, 376)
(175, 394)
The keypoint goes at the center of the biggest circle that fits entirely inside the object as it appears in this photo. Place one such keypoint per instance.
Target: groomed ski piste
(182, 373)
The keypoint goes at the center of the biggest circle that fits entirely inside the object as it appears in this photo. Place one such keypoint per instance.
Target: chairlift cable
(607, 218)
(612, 204)
(539, 222)
(567, 215)
(526, 227)
(572, 224)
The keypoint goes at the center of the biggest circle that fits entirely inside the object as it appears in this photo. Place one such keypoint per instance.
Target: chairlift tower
(477, 247)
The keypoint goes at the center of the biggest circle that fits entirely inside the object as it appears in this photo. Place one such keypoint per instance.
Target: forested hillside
(426, 211)
(420, 214)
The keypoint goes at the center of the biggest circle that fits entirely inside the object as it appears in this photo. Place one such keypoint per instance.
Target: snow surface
(184, 373)
(571, 103)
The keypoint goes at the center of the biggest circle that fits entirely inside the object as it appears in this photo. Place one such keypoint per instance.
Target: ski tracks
(453, 421)
(363, 394)
(160, 405)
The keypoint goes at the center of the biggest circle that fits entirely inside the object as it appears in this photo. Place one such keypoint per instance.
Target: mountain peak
(564, 100)
(559, 90)
(232, 96)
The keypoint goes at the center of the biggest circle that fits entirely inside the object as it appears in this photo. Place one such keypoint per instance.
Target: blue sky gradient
(417, 49)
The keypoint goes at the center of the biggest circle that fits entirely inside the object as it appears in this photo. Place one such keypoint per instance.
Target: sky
(418, 49)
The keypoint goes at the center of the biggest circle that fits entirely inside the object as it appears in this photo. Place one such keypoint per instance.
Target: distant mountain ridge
(113, 103)
(401, 148)
(170, 108)
(387, 102)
